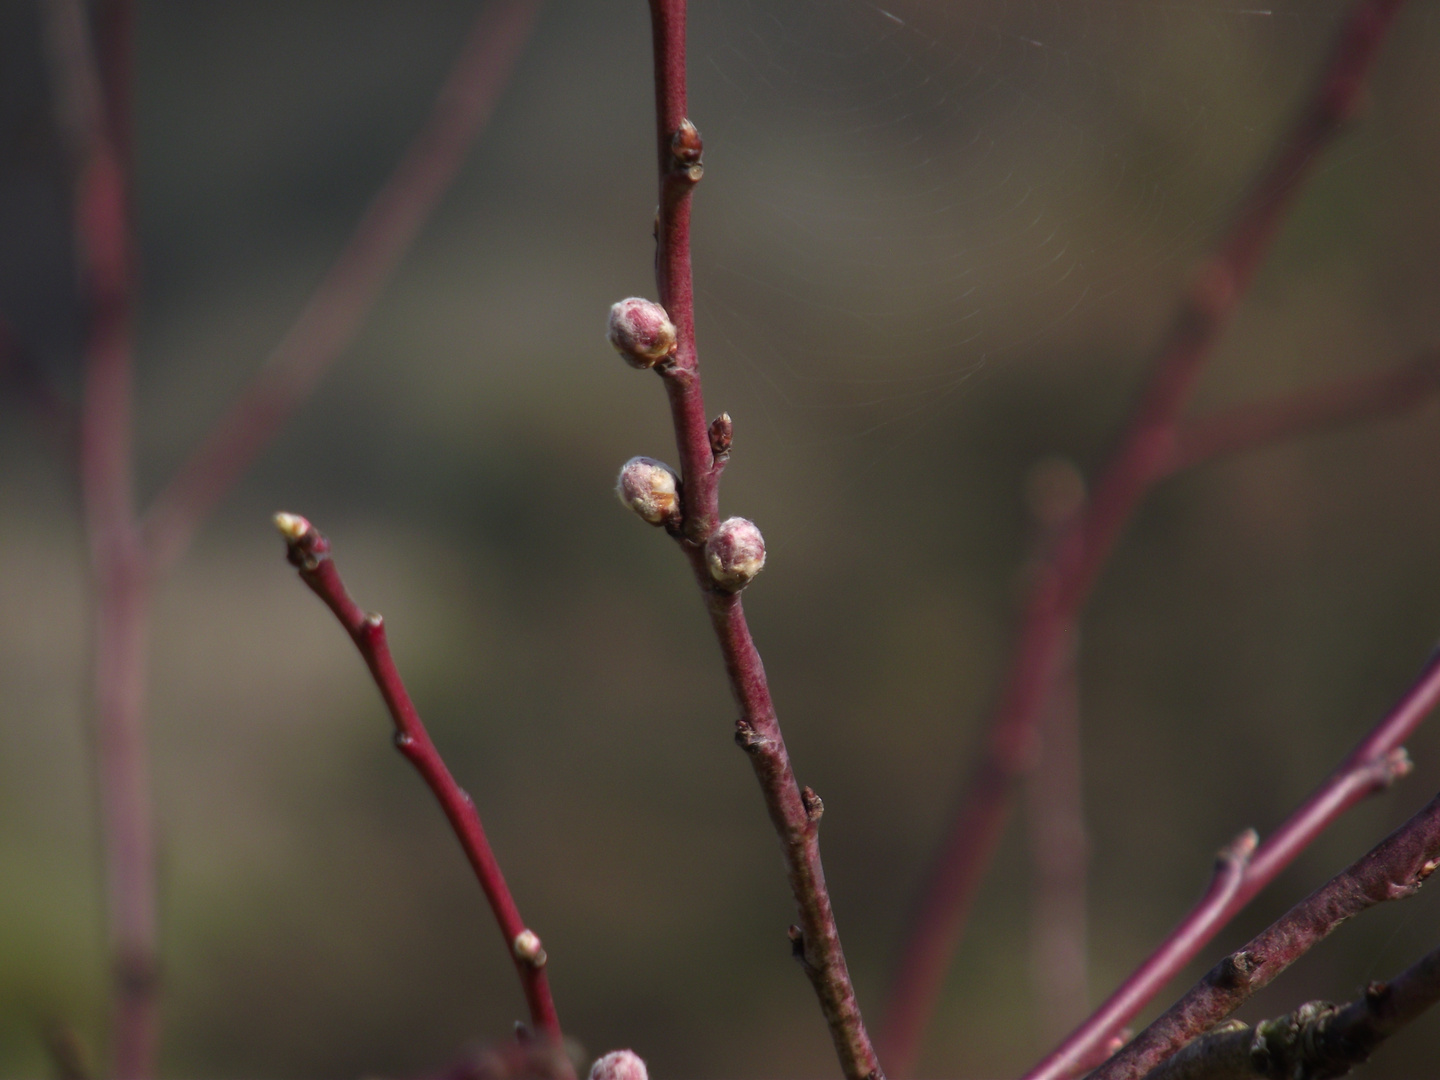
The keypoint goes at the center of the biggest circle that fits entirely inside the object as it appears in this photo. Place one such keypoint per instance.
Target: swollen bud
(735, 553)
(619, 1065)
(641, 332)
(650, 488)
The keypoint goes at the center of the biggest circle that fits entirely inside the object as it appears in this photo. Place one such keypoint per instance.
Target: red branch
(1346, 401)
(1372, 766)
(794, 813)
(94, 127)
(309, 552)
(1143, 453)
(334, 313)
(1393, 870)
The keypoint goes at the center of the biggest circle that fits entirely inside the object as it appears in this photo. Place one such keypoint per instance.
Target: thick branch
(1347, 401)
(309, 552)
(1140, 459)
(1317, 1040)
(334, 313)
(1376, 762)
(1393, 870)
(794, 813)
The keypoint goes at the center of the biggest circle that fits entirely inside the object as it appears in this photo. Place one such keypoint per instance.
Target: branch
(1375, 763)
(1393, 870)
(334, 313)
(727, 555)
(1140, 460)
(309, 552)
(1346, 401)
(1316, 1040)
(92, 127)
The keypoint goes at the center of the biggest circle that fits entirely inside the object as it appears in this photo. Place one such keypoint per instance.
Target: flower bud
(619, 1065)
(650, 488)
(735, 553)
(641, 332)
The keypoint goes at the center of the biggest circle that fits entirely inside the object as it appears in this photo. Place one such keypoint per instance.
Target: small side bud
(641, 332)
(619, 1065)
(735, 553)
(686, 144)
(528, 948)
(650, 488)
(722, 433)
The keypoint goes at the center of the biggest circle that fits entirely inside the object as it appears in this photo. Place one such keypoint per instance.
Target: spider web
(906, 194)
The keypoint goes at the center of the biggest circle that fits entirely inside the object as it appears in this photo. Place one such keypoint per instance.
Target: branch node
(1234, 972)
(528, 948)
(686, 146)
(814, 805)
(722, 433)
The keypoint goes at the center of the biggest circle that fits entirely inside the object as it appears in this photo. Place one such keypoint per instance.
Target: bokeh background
(934, 244)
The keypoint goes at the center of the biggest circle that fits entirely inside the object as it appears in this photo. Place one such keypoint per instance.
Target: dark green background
(927, 255)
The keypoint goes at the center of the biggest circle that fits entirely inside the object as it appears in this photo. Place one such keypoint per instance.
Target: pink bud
(641, 332)
(619, 1065)
(735, 553)
(650, 488)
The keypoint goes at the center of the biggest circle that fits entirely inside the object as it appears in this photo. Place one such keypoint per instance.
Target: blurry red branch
(1317, 1039)
(1140, 459)
(1346, 401)
(120, 588)
(309, 552)
(1372, 766)
(704, 449)
(334, 313)
(1393, 870)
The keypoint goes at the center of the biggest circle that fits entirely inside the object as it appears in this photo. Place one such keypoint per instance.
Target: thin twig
(1058, 845)
(1316, 1040)
(334, 313)
(1139, 461)
(1375, 763)
(119, 584)
(1392, 870)
(1346, 401)
(1054, 800)
(794, 813)
(309, 552)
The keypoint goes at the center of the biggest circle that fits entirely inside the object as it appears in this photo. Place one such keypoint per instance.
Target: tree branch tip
(293, 527)
(1239, 850)
(528, 948)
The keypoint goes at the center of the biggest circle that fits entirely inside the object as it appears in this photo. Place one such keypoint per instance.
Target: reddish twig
(1140, 460)
(1316, 1040)
(1393, 870)
(1372, 766)
(1058, 844)
(334, 313)
(119, 582)
(704, 449)
(309, 552)
(1347, 401)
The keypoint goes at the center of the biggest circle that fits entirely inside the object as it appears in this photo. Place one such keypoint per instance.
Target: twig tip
(293, 527)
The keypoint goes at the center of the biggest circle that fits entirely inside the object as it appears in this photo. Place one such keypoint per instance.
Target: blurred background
(935, 243)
